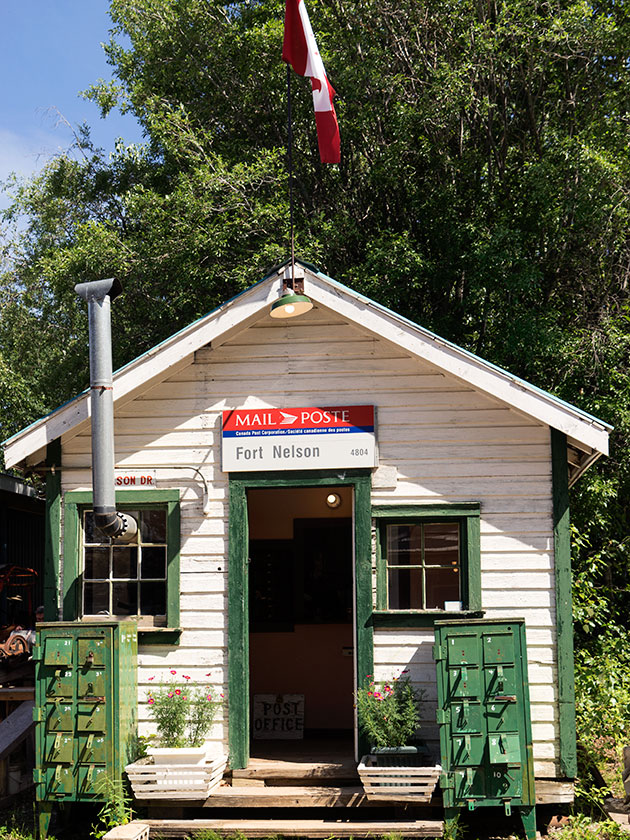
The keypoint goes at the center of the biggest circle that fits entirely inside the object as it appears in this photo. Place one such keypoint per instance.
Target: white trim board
(586, 433)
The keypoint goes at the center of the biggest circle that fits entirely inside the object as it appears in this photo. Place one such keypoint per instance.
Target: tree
(483, 192)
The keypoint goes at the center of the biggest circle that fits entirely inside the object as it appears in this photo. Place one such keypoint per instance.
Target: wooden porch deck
(288, 788)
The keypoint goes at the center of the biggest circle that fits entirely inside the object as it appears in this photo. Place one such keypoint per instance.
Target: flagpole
(290, 164)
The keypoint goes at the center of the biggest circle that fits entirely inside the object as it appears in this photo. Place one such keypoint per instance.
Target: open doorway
(301, 616)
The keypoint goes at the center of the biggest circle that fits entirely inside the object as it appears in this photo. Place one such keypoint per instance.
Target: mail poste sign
(298, 438)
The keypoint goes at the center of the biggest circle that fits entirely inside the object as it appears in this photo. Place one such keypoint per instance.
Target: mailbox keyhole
(89, 659)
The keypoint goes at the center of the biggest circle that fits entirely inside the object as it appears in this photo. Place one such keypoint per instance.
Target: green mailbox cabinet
(86, 701)
(484, 717)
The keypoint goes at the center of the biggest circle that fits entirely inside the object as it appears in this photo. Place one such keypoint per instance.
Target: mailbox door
(483, 712)
(86, 697)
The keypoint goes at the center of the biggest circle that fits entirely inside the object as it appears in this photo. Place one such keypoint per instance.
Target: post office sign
(304, 438)
(278, 716)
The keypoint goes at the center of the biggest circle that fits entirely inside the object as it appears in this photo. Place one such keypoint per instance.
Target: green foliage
(116, 809)
(483, 189)
(389, 712)
(453, 829)
(209, 834)
(581, 827)
(13, 832)
(183, 713)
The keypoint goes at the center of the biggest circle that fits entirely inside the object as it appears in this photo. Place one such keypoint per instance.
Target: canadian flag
(300, 51)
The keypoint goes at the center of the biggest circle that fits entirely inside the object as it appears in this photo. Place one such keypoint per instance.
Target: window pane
(125, 598)
(441, 544)
(124, 562)
(154, 562)
(442, 585)
(153, 598)
(405, 589)
(153, 526)
(404, 545)
(96, 563)
(96, 598)
(91, 532)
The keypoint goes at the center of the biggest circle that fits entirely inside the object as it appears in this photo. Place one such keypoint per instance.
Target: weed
(116, 809)
(581, 827)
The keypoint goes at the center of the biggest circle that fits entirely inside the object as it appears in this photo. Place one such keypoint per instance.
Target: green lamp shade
(288, 306)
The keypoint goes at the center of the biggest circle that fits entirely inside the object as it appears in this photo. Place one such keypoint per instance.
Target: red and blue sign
(307, 437)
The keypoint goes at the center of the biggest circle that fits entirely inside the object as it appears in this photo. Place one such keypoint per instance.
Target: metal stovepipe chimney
(99, 294)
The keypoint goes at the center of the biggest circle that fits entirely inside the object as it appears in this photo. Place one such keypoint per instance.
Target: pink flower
(170, 694)
(209, 697)
(177, 691)
(185, 677)
(184, 697)
(221, 695)
(151, 678)
(151, 701)
(173, 672)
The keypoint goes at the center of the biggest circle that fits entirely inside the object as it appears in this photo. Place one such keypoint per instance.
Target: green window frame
(77, 501)
(467, 516)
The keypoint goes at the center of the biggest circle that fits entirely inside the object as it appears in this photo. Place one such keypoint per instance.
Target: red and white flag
(300, 51)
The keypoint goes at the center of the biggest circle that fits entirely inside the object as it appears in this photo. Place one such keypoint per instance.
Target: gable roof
(587, 437)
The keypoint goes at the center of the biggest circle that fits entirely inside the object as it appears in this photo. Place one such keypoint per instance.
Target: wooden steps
(272, 771)
(284, 796)
(297, 828)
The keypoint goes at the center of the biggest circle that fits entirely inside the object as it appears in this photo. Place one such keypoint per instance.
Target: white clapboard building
(314, 493)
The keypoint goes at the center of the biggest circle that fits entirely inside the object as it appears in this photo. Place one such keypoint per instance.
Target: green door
(484, 716)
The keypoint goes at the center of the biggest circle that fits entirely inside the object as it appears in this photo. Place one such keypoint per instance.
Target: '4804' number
(358, 452)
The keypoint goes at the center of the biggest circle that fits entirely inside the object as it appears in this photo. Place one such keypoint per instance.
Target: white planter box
(398, 784)
(178, 755)
(176, 781)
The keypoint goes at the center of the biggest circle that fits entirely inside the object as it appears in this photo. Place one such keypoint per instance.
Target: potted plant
(389, 716)
(179, 764)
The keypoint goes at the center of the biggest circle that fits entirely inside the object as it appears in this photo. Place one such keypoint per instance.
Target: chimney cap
(98, 289)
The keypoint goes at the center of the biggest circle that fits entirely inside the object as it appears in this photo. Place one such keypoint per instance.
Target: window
(106, 577)
(423, 565)
(123, 579)
(428, 558)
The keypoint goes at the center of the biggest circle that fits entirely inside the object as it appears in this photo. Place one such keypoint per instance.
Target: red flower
(185, 677)
(209, 674)
(177, 691)
(173, 672)
(151, 678)
(151, 701)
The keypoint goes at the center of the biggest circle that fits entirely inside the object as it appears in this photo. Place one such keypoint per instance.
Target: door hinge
(447, 781)
(439, 652)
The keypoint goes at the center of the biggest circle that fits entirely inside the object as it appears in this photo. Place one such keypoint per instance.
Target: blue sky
(49, 51)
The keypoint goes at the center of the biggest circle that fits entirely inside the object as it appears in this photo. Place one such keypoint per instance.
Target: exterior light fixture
(293, 301)
(333, 500)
